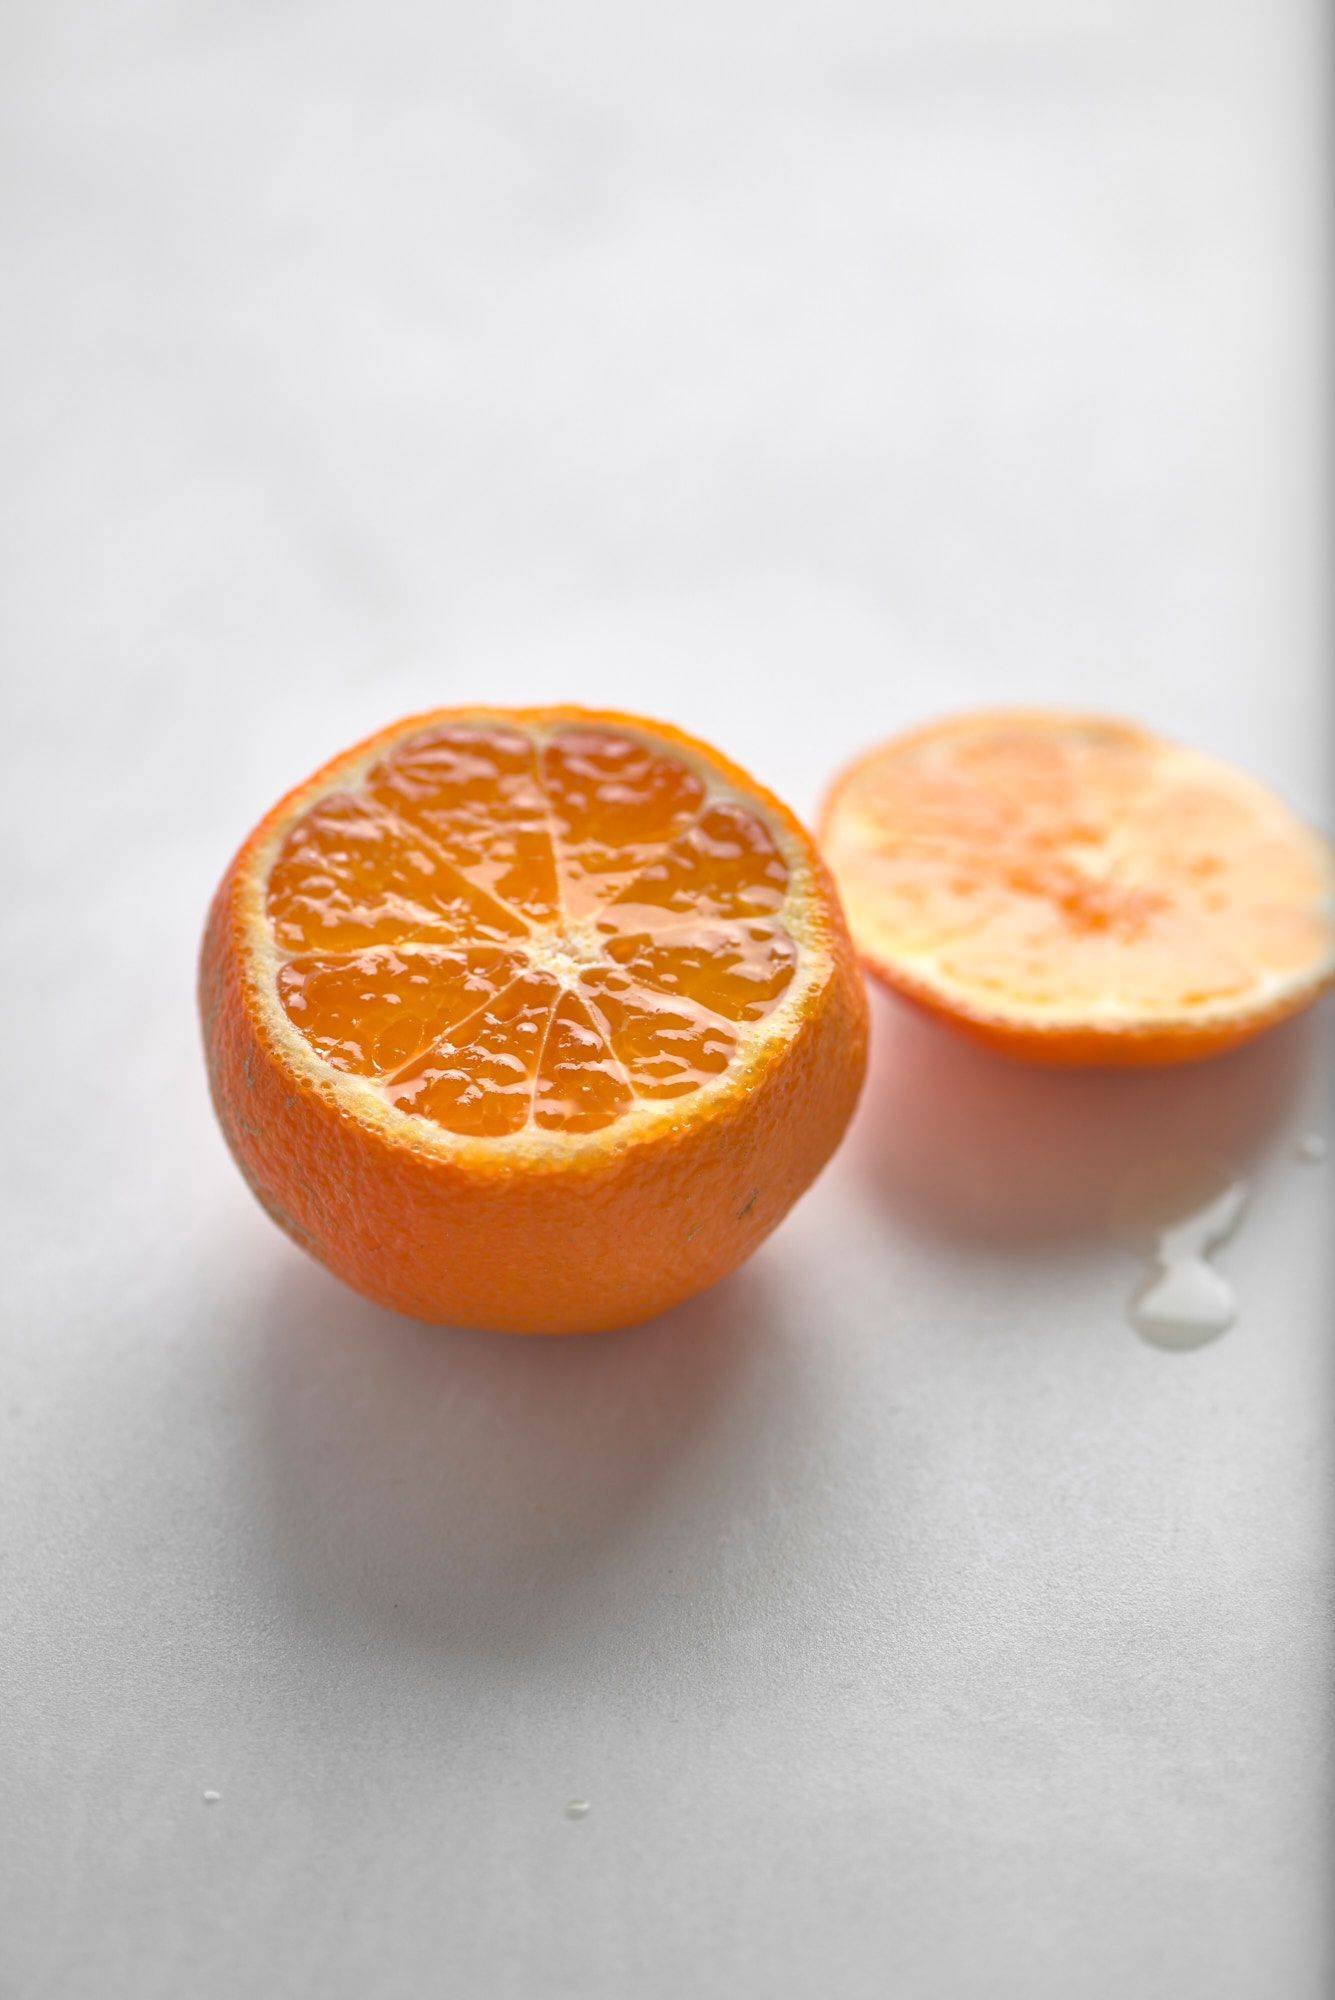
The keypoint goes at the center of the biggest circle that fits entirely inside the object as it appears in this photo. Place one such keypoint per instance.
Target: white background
(795, 372)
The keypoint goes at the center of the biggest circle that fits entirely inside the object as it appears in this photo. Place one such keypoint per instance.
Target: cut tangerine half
(1073, 889)
(536, 1019)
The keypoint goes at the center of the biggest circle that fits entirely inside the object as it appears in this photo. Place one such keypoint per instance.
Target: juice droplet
(577, 1809)
(1311, 1148)
(1183, 1301)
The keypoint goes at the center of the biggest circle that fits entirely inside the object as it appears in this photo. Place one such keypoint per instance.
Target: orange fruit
(532, 1019)
(1074, 890)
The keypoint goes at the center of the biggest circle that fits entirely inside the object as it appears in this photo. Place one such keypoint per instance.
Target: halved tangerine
(1073, 889)
(537, 1019)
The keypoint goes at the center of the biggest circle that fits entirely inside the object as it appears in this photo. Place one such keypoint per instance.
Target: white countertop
(910, 1626)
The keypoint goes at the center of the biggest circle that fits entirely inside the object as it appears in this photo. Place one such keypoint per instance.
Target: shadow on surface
(973, 1146)
(460, 1488)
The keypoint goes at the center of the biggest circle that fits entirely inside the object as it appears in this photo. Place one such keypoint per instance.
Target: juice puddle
(1183, 1302)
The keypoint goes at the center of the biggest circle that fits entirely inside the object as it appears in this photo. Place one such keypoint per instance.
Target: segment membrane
(727, 864)
(374, 1011)
(738, 971)
(350, 875)
(581, 1085)
(478, 1079)
(474, 791)
(665, 1050)
(614, 802)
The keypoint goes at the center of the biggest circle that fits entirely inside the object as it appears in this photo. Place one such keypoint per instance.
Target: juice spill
(1184, 1302)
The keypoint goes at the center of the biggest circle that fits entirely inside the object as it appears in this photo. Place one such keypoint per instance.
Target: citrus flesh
(522, 972)
(1074, 889)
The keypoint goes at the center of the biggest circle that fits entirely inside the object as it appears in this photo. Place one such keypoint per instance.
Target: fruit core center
(565, 950)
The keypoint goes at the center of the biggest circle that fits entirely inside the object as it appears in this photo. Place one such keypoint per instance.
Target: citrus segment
(1074, 889)
(582, 1083)
(551, 1014)
(373, 1011)
(665, 1049)
(725, 864)
(350, 874)
(737, 971)
(613, 803)
(475, 794)
(479, 1079)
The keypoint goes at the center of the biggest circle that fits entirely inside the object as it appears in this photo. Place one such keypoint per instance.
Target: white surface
(796, 371)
